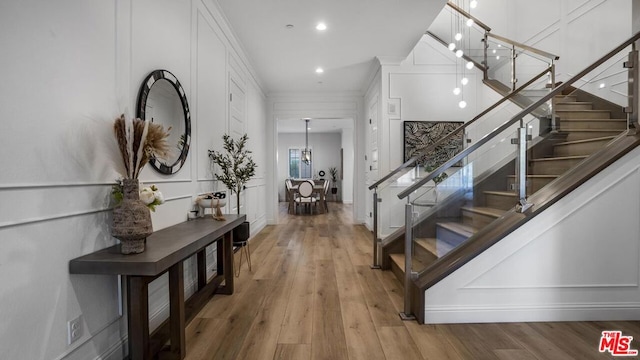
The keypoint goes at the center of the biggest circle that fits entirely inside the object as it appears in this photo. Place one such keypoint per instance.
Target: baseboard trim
(558, 312)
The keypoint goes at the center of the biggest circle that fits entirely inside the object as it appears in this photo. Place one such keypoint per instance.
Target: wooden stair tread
(574, 103)
(458, 228)
(603, 119)
(587, 111)
(432, 245)
(558, 158)
(416, 264)
(604, 138)
(501, 193)
(568, 130)
(537, 176)
(484, 211)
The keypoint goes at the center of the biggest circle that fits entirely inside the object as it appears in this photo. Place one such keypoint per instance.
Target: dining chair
(326, 193)
(289, 195)
(305, 194)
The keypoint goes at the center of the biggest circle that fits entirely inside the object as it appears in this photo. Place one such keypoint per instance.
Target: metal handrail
(525, 47)
(516, 118)
(468, 16)
(487, 29)
(458, 129)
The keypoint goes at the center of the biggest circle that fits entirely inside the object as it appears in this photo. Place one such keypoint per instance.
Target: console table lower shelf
(165, 251)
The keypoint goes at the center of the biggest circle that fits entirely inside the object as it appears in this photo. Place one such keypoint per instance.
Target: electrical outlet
(74, 330)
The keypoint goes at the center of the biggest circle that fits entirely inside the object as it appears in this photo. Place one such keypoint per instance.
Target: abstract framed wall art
(419, 135)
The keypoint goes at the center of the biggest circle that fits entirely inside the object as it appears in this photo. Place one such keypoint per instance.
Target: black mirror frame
(140, 113)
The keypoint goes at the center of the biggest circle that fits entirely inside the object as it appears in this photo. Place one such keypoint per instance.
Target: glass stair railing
(389, 217)
(524, 154)
(506, 62)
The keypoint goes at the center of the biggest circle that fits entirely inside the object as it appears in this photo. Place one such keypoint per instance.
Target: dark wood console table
(165, 251)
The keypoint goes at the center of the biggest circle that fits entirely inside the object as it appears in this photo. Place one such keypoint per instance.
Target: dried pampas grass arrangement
(138, 141)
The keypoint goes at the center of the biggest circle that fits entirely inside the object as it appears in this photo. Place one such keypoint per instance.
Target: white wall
(371, 135)
(325, 150)
(69, 69)
(346, 184)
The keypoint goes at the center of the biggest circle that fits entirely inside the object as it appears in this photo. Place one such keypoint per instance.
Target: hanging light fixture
(306, 153)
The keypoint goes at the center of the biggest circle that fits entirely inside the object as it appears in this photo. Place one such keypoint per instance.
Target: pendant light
(306, 153)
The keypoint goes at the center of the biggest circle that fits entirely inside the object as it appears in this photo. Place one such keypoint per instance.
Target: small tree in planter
(236, 166)
(334, 180)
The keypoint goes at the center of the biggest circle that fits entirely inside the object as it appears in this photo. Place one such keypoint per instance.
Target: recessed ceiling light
(289, 26)
(321, 26)
(319, 70)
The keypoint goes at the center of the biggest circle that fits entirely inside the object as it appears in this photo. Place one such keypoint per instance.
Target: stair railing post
(552, 71)
(633, 90)
(408, 247)
(514, 80)
(521, 168)
(376, 240)
(485, 54)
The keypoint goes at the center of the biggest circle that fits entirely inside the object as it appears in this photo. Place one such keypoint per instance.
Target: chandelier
(306, 153)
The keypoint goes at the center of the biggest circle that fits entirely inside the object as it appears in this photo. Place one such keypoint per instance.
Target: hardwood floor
(312, 295)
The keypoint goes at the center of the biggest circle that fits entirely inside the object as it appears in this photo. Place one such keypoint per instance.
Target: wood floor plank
(261, 340)
(535, 342)
(559, 333)
(268, 268)
(240, 319)
(360, 333)
(468, 344)
(322, 248)
(382, 310)
(348, 285)
(293, 352)
(510, 354)
(397, 343)
(326, 291)
(328, 339)
(297, 325)
(493, 337)
(433, 345)
(201, 335)
(393, 287)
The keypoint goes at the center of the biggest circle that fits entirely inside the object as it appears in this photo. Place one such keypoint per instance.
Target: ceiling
(357, 31)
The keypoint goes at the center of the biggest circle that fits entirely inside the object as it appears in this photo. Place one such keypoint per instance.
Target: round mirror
(162, 100)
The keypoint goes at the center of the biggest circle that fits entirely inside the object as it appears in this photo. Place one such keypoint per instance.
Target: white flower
(159, 197)
(147, 196)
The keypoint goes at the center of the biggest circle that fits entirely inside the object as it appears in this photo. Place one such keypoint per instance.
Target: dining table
(318, 187)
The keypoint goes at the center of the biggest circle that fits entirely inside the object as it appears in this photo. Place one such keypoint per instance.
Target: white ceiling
(358, 31)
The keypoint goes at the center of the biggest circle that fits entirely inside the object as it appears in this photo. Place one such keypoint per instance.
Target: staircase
(583, 129)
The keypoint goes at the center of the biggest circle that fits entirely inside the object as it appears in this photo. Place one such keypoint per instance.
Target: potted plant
(236, 168)
(334, 180)
(138, 141)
